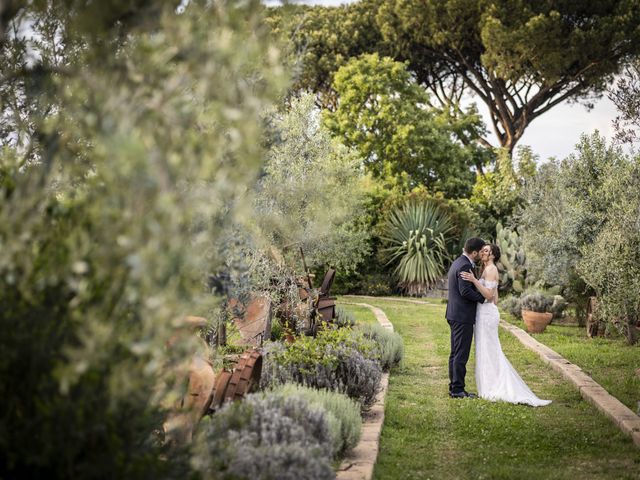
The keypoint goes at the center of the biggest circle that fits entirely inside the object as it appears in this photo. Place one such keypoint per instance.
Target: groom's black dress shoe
(462, 394)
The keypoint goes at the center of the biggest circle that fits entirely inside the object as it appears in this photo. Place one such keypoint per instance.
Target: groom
(461, 316)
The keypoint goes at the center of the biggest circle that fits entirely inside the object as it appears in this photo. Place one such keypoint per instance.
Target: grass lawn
(609, 361)
(362, 314)
(427, 435)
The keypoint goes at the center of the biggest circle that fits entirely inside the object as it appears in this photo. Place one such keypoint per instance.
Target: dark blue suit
(461, 316)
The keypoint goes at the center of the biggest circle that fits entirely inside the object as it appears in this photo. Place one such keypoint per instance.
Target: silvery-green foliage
(566, 206)
(536, 302)
(336, 364)
(389, 344)
(143, 139)
(609, 264)
(579, 225)
(344, 318)
(269, 276)
(512, 305)
(360, 375)
(545, 229)
(345, 422)
(266, 436)
(310, 196)
(311, 193)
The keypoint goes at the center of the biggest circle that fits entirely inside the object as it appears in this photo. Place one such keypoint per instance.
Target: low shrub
(266, 436)
(390, 345)
(344, 318)
(536, 302)
(277, 330)
(511, 304)
(343, 413)
(337, 359)
(378, 285)
(558, 306)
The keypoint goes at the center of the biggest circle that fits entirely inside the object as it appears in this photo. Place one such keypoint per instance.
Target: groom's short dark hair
(474, 244)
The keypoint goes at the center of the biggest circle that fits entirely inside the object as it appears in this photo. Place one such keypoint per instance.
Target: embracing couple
(472, 302)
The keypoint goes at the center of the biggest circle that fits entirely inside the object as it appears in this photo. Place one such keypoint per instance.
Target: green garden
(195, 195)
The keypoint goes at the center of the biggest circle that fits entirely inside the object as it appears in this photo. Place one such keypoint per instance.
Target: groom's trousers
(461, 337)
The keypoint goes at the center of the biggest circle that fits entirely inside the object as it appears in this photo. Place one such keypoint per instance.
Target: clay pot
(536, 322)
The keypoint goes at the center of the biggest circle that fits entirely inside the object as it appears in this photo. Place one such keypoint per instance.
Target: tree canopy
(520, 58)
(385, 115)
(118, 167)
(626, 97)
(322, 39)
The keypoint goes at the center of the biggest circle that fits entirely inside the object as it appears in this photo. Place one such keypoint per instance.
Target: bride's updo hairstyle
(495, 251)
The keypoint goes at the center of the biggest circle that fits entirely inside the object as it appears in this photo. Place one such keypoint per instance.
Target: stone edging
(391, 299)
(360, 462)
(592, 391)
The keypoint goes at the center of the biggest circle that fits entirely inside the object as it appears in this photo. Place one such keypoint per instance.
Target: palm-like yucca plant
(416, 235)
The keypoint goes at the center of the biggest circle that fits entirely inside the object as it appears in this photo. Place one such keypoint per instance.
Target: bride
(496, 379)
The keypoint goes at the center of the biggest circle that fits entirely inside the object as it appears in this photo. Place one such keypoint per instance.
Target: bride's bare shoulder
(491, 272)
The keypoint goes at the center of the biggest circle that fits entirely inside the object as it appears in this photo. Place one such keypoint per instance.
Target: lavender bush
(267, 436)
(344, 318)
(389, 345)
(343, 413)
(337, 359)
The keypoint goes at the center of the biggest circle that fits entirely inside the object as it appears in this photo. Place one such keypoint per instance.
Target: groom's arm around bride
(463, 299)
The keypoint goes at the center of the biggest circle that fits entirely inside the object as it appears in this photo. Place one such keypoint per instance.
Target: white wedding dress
(496, 379)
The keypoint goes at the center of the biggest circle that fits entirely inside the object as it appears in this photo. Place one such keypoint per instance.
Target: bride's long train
(496, 378)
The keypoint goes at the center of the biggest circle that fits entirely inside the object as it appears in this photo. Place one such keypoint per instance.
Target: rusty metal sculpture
(235, 384)
(253, 319)
(314, 307)
(206, 391)
(326, 305)
(199, 380)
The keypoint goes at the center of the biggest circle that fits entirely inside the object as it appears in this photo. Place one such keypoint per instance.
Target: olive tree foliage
(498, 194)
(520, 58)
(311, 192)
(578, 226)
(384, 114)
(310, 196)
(131, 133)
(565, 207)
(609, 264)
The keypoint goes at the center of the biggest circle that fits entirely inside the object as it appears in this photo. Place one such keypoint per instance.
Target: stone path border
(360, 462)
(610, 406)
(394, 299)
(619, 413)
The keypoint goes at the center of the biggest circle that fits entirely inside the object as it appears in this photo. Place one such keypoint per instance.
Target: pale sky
(554, 133)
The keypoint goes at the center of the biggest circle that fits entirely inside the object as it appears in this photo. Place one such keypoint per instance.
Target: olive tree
(579, 227)
(136, 133)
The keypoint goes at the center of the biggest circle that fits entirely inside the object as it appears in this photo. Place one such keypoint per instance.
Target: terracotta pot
(536, 322)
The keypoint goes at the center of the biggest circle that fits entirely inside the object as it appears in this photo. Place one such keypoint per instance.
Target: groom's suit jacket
(463, 295)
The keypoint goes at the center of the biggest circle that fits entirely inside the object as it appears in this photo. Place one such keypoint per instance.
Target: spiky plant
(513, 260)
(416, 235)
